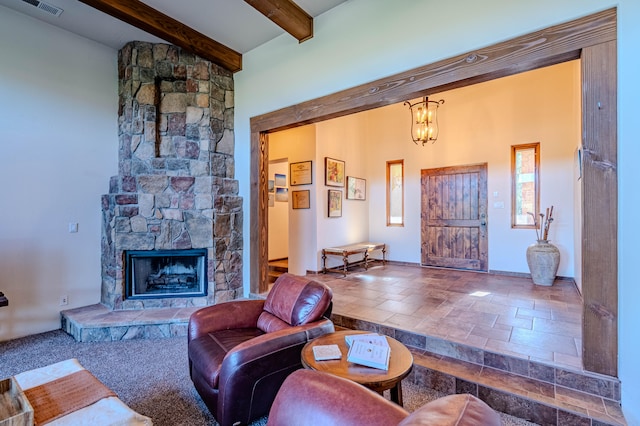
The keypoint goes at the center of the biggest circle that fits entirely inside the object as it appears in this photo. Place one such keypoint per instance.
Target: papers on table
(370, 350)
(372, 338)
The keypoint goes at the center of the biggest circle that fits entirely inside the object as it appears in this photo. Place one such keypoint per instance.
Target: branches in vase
(542, 226)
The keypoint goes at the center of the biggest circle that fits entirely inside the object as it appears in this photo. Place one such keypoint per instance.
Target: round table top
(400, 362)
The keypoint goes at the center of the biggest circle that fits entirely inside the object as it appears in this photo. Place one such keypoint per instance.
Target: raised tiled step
(530, 390)
(97, 323)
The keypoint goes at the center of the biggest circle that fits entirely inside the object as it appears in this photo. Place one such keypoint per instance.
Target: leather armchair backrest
(292, 301)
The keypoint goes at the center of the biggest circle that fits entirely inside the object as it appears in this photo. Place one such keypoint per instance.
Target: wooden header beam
(138, 14)
(287, 15)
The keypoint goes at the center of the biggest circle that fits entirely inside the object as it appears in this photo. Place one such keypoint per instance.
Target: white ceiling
(233, 23)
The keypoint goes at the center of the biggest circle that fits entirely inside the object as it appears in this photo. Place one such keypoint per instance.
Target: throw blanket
(107, 411)
(65, 395)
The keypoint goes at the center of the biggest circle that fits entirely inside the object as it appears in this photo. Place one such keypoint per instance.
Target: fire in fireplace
(165, 273)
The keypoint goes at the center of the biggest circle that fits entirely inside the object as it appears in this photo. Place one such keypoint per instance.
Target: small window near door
(525, 187)
(395, 193)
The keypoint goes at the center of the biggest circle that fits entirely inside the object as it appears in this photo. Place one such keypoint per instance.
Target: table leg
(396, 393)
(345, 258)
(384, 252)
(324, 262)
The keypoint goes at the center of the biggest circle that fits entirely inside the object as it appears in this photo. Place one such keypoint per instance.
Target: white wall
(478, 124)
(362, 40)
(628, 207)
(341, 139)
(59, 147)
(296, 145)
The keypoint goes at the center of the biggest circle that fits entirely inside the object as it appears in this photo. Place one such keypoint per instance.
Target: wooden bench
(363, 249)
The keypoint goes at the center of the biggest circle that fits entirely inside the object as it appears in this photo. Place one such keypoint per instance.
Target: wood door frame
(591, 39)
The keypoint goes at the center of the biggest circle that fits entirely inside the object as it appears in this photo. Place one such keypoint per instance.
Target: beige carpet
(151, 376)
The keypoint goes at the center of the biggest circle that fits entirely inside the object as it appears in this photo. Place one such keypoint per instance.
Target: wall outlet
(64, 300)
(73, 227)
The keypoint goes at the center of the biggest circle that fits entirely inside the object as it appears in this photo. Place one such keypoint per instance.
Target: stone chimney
(175, 187)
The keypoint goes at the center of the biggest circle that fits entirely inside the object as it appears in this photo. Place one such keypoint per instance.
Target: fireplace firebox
(165, 273)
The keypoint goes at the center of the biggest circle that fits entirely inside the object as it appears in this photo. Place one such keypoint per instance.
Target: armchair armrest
(253, 371)
(270, 343)
(223, 316)
(314, 398)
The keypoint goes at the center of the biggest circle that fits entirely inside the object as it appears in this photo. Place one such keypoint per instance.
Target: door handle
(483, 223)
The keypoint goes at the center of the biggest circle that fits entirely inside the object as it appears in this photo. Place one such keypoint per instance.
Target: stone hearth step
(97, 323)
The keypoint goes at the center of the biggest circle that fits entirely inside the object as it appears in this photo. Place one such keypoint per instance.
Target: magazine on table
(372, 338)
(369, 354)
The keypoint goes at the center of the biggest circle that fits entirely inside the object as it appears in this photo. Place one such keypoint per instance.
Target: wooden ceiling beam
(138, 14)
(287, 15)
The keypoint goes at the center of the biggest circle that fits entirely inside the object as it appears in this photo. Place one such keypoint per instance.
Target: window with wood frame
(525, 185)
(395, 193)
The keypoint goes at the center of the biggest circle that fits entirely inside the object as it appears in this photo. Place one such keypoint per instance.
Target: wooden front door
(454, 217)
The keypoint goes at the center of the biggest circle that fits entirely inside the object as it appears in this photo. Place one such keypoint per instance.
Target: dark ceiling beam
(287, 15)
(146, 18)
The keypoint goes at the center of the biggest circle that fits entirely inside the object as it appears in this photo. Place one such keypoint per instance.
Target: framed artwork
(356, 188)
(333, 172)
(271, 184)
(281, 180)
(282, 194)
(300, 173)
(335, 203)
(301, 199)
(272, 199)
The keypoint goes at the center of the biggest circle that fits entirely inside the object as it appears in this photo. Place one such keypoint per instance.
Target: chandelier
(424, 120)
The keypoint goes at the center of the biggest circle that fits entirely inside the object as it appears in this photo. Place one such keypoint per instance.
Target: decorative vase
(543, 259)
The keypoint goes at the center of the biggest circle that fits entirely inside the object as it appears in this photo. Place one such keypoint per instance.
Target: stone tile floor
(499, 313)
(499, 319)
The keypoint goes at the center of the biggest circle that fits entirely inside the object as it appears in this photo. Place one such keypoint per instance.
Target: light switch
(73, 227)
(495, 194)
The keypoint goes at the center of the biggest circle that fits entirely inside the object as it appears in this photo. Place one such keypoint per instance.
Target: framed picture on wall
(281, 179)
(356, 188)
(300, 173)
(282, 194)
(333, 172)
(301, 199)
(335, 203)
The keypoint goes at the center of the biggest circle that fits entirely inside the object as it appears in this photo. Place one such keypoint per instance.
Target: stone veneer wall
(175, 188)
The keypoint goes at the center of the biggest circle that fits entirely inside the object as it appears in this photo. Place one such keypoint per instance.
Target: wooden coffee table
(400, 364)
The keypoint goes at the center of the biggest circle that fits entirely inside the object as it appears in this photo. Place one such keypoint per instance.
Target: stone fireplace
(175, 191)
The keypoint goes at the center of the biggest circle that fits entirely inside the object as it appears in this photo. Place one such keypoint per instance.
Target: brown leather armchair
(319, 399)
(241, 351)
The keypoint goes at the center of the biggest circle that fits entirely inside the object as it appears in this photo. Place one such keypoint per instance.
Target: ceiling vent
(45, 7)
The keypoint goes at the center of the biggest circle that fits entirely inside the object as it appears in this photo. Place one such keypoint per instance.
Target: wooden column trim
(600, 209)
(259, 202)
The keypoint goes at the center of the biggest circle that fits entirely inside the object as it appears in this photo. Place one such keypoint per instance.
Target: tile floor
(504, 314)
